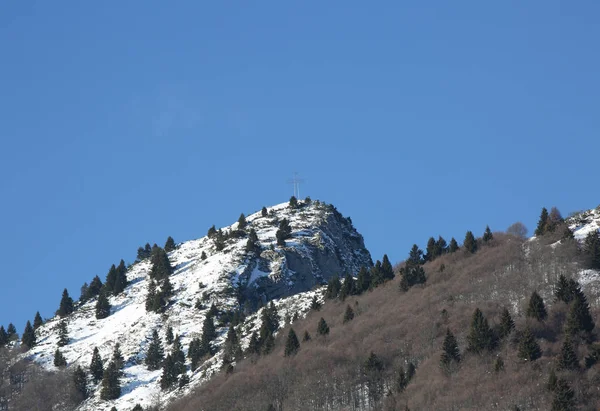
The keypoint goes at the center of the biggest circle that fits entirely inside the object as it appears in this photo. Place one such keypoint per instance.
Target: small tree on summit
(120, 279)
(169, 244)
(66, 304)
(487, 235)
(242, 223)
(536, 307)
(453, 246)
(37, 321)
(470, 244)
(264, 212)
(542, 223)
(293, 202)
(95, 287)
(292, 345)
(28, 338)
(11, 332)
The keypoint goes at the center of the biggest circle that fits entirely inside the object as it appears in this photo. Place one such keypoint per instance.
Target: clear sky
(122, 123)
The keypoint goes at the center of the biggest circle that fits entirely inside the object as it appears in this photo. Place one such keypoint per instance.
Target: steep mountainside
(322, 243)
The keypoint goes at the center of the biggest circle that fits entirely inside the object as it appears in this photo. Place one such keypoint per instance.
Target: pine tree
(111, 386)
(349, 314)
(480, 337)
(28, 338)
(542, 223)
(211, 232)
(178, 357)
(117, 358)
(11, 332)
(137, 407)
(209, 333)
(450, 351)
(3, 336)
(564, 397)
(567, 359)
(184, 380)
(565, 289)
(66, 304)
(363, 281)
(552, 380)
(293, 202)
(242, 222)
(203, 256)
(161, 266)
(487, 235)
(373, 363)
(63, 333)
(195, 353)
(283, 232)
(431, 249)
(453, 246)
(506, 323)
(315, 304)
(120, 279)
(536, 308)
(95, 287)
(411, 370)
(37, 321)
(470, 244)
(96, 366)
(169, 244)
(84, 293)
(59, 359)
(232, 350)
(151, 296)
(441, 246)
(169, 335)
(322, 327)
(529, 349)
(254, 344)
(348, 287)
(333, 287)
(292, 345)
(80, 382)
(376, 275)
(111, 277)
(412, 272)
(263, 212)
(592, 249)
(579, 317)
(102, 306)
(387, 269)
(268, 344)
(155, 353)
(306, 336)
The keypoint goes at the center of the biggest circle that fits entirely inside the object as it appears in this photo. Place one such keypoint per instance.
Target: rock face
(234, 276)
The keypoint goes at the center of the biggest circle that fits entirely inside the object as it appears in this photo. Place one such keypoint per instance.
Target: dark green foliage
(593, 356)
(363, 281)
(203, 256)
(386, 269)
(373, 363)
(322, 327)
(95, 287)
(37, 321)
(453, 246)
(306, 336)
(263, 212)
(80, 382)
(231, 350)
(412, 272)
(145, 252)
(117, 357)
(84, 293)
(283, 232)
(155, 353)
(315, 304)
(59, 359)
(120, 279)
(178, 356)
(579, 318)
(592, 249)
(96, 366)
(209, 333)
(567, 359)
(348, 287)
(219, 240)
(536, 307)
(552, 380)
(137, 407)
(253, 245)
(268, 344)
(565, 289)
(161, 266)
(269, 323)
(411, 370)
(242, 223)
(169, 375)
(254, 344)
(498, 364)
(66, 304)
(169, 335)
(401, 380)
(564, 397)
(111, 386)
(349, 314)
(63, 333)
(28, 338)
(430, 249)
(333, 287)
(542, 226)
(568, 234)
(169, 244)
(3, 336)
(292, 345)
(506, 323)
(487, 235)
(195, 353)
(470, 244)
(450, 351)
(481, 337)
(111, 277)
(102, 306)
(211, 232)
(293, 202)
(529, 349)
(184, 380)
(11, 332)
(376, 275)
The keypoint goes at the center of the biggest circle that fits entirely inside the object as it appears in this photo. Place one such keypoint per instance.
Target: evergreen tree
(37, 321)
(111, 277)
(292, 345)
(293, 202)
(84, 293)
(151, 296)
(63, 333)
(592, 249)
(11, 332)
(450, 351)
(579, 317)
(28, 338)
(453, 246)
(349, 314)
(441, 246)
(184, 380)
(564, 397)
(412, 272)
(333, 287)
(211, 232)
(376, 275)
(169, 335)
(161, 266)
(263, 212)
(565, 289)
(155, 353)
(552, 380)
(306, 336)
(269, 323)
(348, 287)
(283, 232)
(254, 344)
(363, 281)
(387, 269)
(232, 350)
(66, 304)
(3, 336)
(487, 235)
(322, 327)
(567, 359)
(178, 357)
(401, 380)
(209, 333)
(95, 287)
(536, 308)
(373, 363)
(542, 223)
(315, 304)
(80, 382)
(203, 256)
(169, 244)
(145, 252)
(96, 366)
(480, 337)
(506, 323)
(568, 234)
(411, 370)
(117, 358)
(111, 386)
(268, 344)
(498, 364)
(431, 249)
(470, 244)
(102, 306)
(195, 353)
(137, 407)
(59, 359)
(120, 279)
(529, 349)
(242, 223)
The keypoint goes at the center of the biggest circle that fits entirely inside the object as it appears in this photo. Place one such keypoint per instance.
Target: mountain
(222, 272)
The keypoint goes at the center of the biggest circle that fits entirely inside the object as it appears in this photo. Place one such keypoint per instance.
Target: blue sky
(122, 123)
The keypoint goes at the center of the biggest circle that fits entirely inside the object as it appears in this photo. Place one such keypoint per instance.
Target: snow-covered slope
(581, 224)
(323, 244)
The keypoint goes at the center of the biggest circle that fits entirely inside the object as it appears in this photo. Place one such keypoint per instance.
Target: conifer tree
(96, 366)
(11, 332)
(450, 351)
(292, 345)
(592, 249)
(63, 333)
(567, 359)
(263, 212)
(306, 336)
(470, 244)
(411, 370)
(322, 327)
(376, 275)
(203, 256)
(453, 246)
(536, 307)
(552, 380)
(66, 304)
(268, 344)
(37, 321)
(84, 293)
(169, 244)
(155, 353)
(59, 359)
(564, 397)
(441, 246)
(120, 279)
(254, 344)
(209, 333)
(195, 353)
(111, 386)
(161, 266)
(178, 356)
(480, 337)
(151, 296)
(430, 249)
(315, 304)
(137, 407)
(95, 287)
(242, 222)
(529, 349)
(565, 289)
(487, 235)
(542, 223)
(117, 358)
(579, 317)
(293, 202)
(211, 232)
(348, 287)
(169, 335)
(349, 314)
(333, 287)
(80, 382)
(568, 234)
(232, 350)
(3, 336)
(387, 269)
(28, 338)
(363, 281)
(401, 380)
(498, 364)
(111, 277)
(284, 232)
(412, 272)
(102, 306)
(506, 323)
